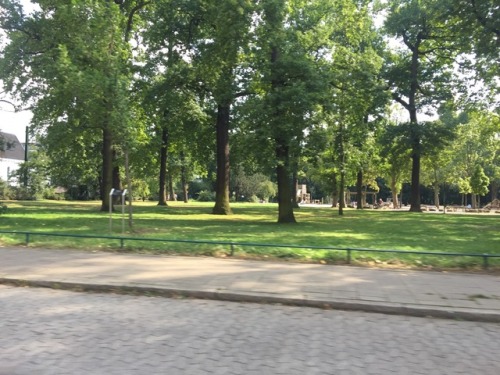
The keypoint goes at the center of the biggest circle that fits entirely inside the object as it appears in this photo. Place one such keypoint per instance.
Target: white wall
(9, 166)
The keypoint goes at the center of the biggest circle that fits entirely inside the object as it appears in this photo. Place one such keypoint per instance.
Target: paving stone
(50, 332)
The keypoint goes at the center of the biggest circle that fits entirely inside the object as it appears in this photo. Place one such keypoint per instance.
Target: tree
(209, 40)
(322, 161)
(464, 188)
(291, 51)
(395, 152)
(228, 29)
(475, 25)
(266, 190)
(479, 185)
(78, 76)
(248, 186)
(37, 177)
(167, 77)
(418, 75)
(476, 143)
(355, 96)
(74, 158)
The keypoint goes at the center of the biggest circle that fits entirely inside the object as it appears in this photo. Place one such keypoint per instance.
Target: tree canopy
(163, 93)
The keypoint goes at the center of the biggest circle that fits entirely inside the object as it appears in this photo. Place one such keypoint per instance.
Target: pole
(123, 210)
(26, 143)
(111, 210)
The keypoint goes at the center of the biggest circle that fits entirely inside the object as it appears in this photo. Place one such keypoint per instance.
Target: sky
(14, 122)
(10, 121)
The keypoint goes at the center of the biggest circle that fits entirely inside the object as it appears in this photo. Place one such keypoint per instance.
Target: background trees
(298, 89)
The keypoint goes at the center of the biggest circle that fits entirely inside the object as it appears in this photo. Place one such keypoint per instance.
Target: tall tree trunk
(335, 190)
(342, 193)
(495, 185)
(171, 193)
(285, 205)
(107, 169)
(359, 190)
(222, 206)
(117, 182)
(415, 204)
(183, 178)
(340, 143)
(130, 192)
(473, 200)
(162, 183)
(295, 184)
(394, 192)
(436, 194)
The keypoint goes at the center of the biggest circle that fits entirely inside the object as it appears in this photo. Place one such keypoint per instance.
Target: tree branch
(482, 20)
(400, 100)
(8, 102)
(131, 15)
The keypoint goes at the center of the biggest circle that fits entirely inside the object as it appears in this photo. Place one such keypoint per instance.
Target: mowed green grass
(256, 223)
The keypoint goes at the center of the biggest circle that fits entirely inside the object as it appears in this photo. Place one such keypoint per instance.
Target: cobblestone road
(50, 332)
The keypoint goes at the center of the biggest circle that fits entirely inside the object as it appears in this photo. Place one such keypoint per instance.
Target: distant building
(11, 156)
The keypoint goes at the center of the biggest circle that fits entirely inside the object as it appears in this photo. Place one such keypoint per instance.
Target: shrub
(6, 192)
(49, 193)
(206, 196)
(3, 208)
(254, 199)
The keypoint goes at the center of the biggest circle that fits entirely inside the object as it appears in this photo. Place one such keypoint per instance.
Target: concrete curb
(374, 307)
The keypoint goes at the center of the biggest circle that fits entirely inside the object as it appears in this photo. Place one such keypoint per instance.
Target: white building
(11, 156)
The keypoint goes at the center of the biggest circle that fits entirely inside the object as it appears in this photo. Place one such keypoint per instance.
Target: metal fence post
(485, 262)
(232, 249)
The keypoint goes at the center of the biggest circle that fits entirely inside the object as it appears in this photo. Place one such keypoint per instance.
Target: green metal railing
(231, 245)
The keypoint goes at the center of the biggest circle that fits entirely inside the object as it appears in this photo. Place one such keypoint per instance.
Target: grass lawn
(256, 223)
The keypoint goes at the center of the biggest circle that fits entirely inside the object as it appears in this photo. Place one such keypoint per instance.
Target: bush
(27, 194)
(206, 196)
(3, 208)
(49, 193)
(6, 192)
(199, 185)
(254, 199)
(266, 190)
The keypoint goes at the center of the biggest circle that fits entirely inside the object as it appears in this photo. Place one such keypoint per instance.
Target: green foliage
(475, 26)
(34, 172)
(6, 192)
(479, 181)
(266, 190)
(3, 208)
(395, 151)
(76, 80)
(206, 196)
(257, 185)
(301, 87)
(464, 186)
(198, 184)
(476, 143)
(140, 189)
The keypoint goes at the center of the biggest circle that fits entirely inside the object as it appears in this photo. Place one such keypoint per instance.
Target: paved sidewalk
(416, 293)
